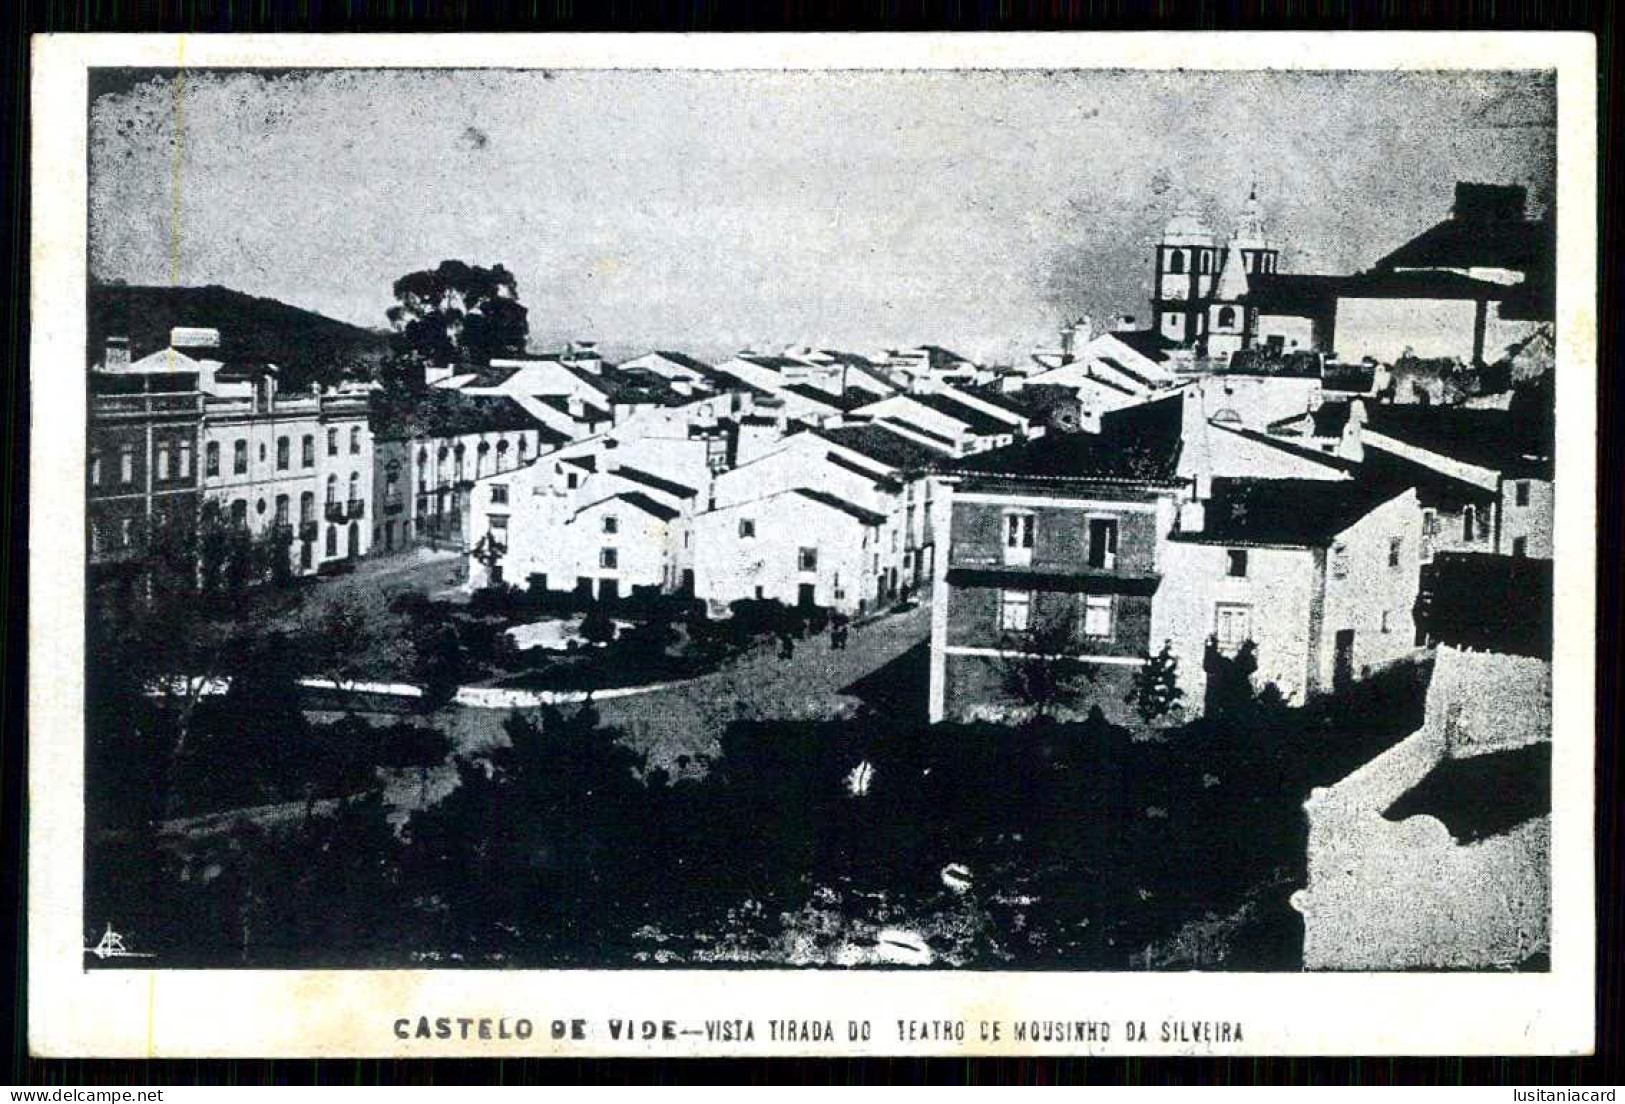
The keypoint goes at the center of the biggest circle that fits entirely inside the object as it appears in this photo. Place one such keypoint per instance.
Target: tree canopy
(456, 314)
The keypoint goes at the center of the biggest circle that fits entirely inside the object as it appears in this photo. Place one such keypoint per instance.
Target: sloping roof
(979, 422)
(1148, 343)
(824, 398)
(1299, 513)
(990, 394)
(1418, 285)
(891, 449)
(1512, 442)
(1138, 444)
(1518, 244)
(909, 427)
(438, 412)
(768, 360)
(1286, 445)
(881, 480)
(590, 463)
(1329, 418)
(684, 360)
(648, 505)
(863, 514)
(1434, 488)
(636, 499)
(561, 403)
(669, 486)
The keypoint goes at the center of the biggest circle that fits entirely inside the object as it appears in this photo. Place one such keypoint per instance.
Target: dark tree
(1041, 668)
(1154, 691)
(455, 314)
(413, 747)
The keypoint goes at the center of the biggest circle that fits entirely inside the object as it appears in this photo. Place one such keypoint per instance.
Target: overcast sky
(705, 211)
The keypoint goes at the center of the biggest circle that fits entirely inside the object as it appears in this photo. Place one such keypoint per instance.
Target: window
(499, 495)
(1236, 563)
(307, 508)
(807, 559)
(1520, 546)
(747, 528)
(1469, 522)
(1387, 625)
(332, 442)
(126, 532)
(498, 524)
(332, 489)
(524, 447)
(1103, 543)
(611, 524)
(282, 509)
(332, 540)
(126, 464)
(239, 457)
(281, 454)
(1521, 492)
(1227, 317)
(1097, 616)
(211, 458)
(572, 480)
(239, 512)
(608, 558)
(1019, 532)
(1232, 626)
(355, 440)
(163, 460)
(1176, 262)
(1340, 561)
(392, 481)
(307, 451)
(1395, 545)
(1430, 533)
(95, 537)
(355, 487)
(1015, 610)
(95, 468)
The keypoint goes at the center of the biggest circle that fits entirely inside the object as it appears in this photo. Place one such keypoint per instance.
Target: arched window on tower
(1176, 262)
(1227, 317)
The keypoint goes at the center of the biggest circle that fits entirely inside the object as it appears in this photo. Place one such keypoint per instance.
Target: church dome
(1187, 227)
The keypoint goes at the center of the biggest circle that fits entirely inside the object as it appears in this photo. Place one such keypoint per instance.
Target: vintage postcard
(876, 545)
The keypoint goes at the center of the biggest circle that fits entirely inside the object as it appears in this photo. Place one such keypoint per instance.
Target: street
(686, 721)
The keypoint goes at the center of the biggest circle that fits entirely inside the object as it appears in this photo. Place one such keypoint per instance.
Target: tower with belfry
(1200, 297)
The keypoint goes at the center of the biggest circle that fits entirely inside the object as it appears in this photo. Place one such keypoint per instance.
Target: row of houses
(1333, 545)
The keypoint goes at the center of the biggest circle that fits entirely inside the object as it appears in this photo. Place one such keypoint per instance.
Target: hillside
(305, 345)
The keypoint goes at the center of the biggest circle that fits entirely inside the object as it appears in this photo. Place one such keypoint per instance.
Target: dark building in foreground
(1055, 553)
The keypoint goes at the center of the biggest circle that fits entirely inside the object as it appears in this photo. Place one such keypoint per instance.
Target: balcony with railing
(334, 511)
(358, 508)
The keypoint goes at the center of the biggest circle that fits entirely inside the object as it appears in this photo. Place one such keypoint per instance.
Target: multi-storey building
(1054, 551)
(143, 435)
(297, 466)
(431, 452)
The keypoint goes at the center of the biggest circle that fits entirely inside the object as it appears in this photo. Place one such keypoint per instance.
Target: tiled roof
(1512, 442)
(1148, 343)
(823, 398)
(909, 427)
(648, 505)
(881, 480)
(668, 486)
(1286, 445)
(1139, 444)
(862, 513)
(978, 422)
(1517, 244)
(891, 449)
(442, 413)
(1299, 513)
(684, 360)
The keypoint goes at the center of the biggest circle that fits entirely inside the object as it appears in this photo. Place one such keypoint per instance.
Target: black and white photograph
(850, 521)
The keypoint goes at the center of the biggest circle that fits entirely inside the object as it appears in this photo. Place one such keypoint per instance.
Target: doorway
(1343, 661)
(806, 595)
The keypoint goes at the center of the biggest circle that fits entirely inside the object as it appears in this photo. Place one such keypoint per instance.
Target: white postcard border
(137, 1013)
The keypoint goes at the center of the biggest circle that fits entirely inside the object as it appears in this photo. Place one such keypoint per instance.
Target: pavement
(687, 720)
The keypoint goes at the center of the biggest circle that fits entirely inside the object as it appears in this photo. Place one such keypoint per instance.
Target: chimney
(1123, 322)
(117, 355)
